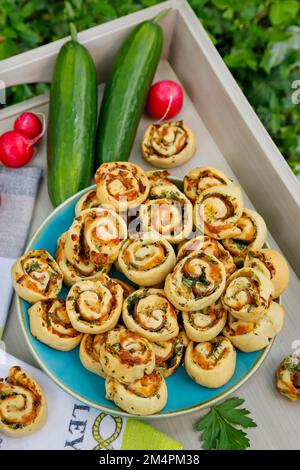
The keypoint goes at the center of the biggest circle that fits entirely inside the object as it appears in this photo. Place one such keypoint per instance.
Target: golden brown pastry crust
(288, 377)
(202, 178)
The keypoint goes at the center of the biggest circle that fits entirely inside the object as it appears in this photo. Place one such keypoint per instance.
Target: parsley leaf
(217, 430)
(188, 282)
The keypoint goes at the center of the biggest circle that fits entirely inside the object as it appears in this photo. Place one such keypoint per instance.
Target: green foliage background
(258, 39)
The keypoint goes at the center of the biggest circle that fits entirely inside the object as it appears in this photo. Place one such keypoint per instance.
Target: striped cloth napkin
(18, 188)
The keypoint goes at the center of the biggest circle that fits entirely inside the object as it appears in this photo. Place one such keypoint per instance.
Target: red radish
(15, 149)
(165, 100)
(28, 124)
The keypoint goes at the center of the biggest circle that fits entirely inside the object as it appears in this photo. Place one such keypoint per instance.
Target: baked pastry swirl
(168, 145)
(148, 312)
(50, 324)
(36, 276)
(273, 265)
(212, 363)
(206, 324)
(253, 234)
(248, 294)
(217, 211)
(146, 262)
(88, 201)
(211, 247)
(145, 396)
(168, 354)
(196, 282)
(94, 238)
(126, 355)
(95, 306)
(23, 408)
(122, 185)
(253, 336)
(127, 288)
(158, 178)
(202, 178)
(288, 377)
(71, 273)
(89, 353)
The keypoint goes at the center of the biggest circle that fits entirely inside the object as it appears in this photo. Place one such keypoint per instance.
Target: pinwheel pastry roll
(168, 354)
(89, 353)
(36, 276)
(211, 247)
(168, 145)
(253, 336)
(217, 211)
(95, 306)
(88, 201)
(127, 288)
(196, 282)
(212, 363)
(202, 178)
(50, 324)
(146, 262)
(158, 178)
(206, 324)
(23, 408)
(248, 294)
(288, 377)
(94, 238)
(253, 234)
(143, 397)
(126, 355)
(148, 312)
(273, 265)
(124, 185)
(71, 273)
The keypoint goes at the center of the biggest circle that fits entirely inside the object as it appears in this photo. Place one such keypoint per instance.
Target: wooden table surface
(277, 418)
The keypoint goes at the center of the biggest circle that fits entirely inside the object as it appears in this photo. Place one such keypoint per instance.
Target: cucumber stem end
(161, 14)
(73, 32)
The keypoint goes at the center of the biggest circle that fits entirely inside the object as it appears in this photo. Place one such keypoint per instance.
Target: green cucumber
(126, 91)
(72, 121)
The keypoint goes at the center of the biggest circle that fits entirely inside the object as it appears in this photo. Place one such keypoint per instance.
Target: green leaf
(8, 48)
(282, 12)
(229, 411)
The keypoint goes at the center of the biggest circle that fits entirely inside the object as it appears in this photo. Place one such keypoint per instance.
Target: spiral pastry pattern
(23, 408)
(149, 313)
(50, 324)
(127, 288)
(158, 178)
(146, 262)
(202, 178)
(36, 276)
(273, 265)
(143, 397)
(212, 363)
(88, 201)
(288, 377)
(217, 211)
(196, 282)
(206, 324)
(248, 294)
(253, 336)
(168, 145)
(95, 306)
(168, 354)
(121, 184)
(89, 353)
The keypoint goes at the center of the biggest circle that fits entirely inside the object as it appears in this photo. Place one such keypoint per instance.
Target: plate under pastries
(66, 370)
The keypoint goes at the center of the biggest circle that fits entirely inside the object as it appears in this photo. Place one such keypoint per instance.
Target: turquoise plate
(66, 370)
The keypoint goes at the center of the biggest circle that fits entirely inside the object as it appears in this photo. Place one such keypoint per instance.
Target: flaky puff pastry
(23, 408)
(88, 201)
(253, 336)
(206, 324)
(211, 247)
(168, 354)
(288, 377)
(273, 265)
(123, 185)
(202, 178)
(89, 353)
(126, 355)
(196, 282)
(252, 236)
(146, 262)
(36, 276)
(248, 294)
(168, 145)
(149, 312)
(50, 324)
(70, 272)
(143, 397)
(212, 363)
(95, 306)
(217, 211)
